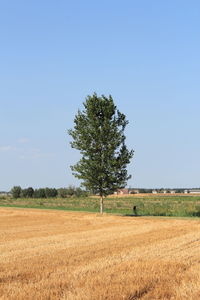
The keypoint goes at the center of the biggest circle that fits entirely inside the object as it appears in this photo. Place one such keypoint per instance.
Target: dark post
(135, 210)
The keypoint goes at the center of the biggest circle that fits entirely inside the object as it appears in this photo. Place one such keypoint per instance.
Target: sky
(143, 53)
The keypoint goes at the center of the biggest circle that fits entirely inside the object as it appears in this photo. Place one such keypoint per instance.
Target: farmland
(49, 254)
(147, 204)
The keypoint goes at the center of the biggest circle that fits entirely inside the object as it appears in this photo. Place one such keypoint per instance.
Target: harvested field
(67, 255)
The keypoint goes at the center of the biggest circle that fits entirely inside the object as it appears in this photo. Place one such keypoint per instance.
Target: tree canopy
(98, 134)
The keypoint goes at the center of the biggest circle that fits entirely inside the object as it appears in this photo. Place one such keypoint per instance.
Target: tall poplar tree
(98, 134)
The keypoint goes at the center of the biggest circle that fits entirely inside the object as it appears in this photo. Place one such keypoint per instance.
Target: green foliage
(71, 191)
(50, 193)
(45, 193)
(16, 192)
(27, 193)
(39, 193)
(145, 191)
(179, 191)
(30, 192)
(99, 136)
(80, 192)
(62, 193)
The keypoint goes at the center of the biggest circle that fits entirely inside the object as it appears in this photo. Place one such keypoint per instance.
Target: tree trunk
(101, 205)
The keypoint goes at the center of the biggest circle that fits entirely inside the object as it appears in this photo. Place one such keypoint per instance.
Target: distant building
(122, 192)
(154, 192)
(172, 192)
(194, 191)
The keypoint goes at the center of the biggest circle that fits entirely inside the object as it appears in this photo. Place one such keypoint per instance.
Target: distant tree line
(71, 191)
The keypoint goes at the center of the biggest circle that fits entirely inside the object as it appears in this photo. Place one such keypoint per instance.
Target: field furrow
(67, 255)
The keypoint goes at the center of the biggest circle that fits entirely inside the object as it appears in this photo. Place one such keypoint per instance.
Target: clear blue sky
(146, 54)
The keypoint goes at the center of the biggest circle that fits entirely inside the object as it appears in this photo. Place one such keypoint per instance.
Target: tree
(16, 192)
(27, 193)
(71, 190)
(39, 193)
(30, 192)
(99, 136)
(62, 193)
(50, 193)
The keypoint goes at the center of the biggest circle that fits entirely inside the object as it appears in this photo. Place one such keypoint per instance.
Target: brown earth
(67, 255)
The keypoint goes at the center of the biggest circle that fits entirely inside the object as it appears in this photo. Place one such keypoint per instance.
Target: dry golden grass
(66, 255)
(150, 195)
